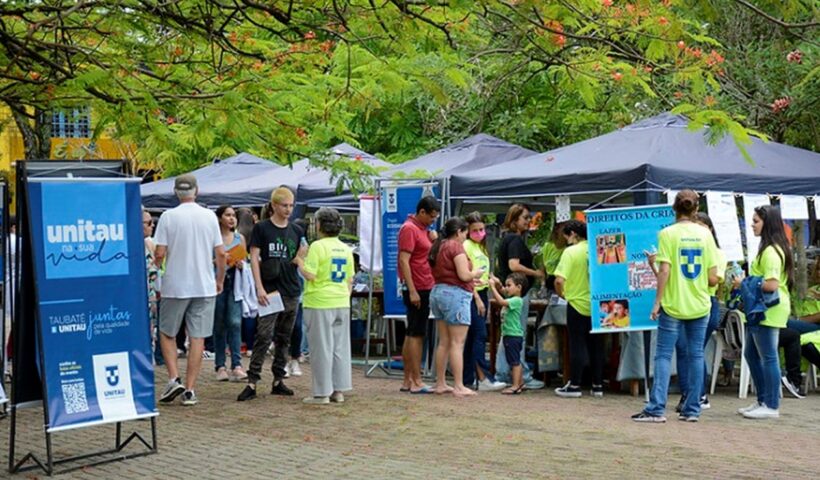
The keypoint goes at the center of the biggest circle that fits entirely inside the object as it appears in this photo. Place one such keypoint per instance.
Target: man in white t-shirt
(189, 241)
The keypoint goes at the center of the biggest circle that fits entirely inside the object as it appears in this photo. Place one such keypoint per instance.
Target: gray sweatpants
(328, 331)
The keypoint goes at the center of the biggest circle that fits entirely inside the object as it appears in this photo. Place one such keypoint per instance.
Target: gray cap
(185, 182)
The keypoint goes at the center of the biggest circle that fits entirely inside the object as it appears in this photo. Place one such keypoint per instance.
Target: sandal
(513, 391)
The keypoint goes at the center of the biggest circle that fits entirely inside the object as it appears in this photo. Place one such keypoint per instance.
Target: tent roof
(660, 150)
(160, 194)
(470, 154)
(256, 190)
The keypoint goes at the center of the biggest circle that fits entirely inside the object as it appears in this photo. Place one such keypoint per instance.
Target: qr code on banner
(74, 397)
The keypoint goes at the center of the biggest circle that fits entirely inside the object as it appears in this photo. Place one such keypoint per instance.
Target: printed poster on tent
(622, 285)
(92, 301)
(398, 202)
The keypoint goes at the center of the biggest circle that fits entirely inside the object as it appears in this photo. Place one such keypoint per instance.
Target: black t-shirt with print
(277, 249)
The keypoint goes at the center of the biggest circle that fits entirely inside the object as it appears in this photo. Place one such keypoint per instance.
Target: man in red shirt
(416, 276)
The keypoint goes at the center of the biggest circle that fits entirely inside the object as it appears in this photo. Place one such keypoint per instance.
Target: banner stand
(28, 388)
(5, 300)
(378, 212)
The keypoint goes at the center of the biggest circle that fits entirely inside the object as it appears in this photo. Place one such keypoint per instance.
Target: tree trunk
(35, 129)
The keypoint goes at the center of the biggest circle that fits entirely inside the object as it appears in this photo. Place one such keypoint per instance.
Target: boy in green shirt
(511, 332)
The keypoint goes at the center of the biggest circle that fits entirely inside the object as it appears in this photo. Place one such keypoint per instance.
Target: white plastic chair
(811, 378)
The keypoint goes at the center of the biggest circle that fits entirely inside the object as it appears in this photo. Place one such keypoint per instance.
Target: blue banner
(89, 260)
(397, 202)
(621, 282)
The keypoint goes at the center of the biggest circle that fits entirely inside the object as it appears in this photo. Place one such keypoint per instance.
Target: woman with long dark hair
(774, 263)
(476, 367)
(688, 267)
(450, 302)
(228, 311)
(515, 256)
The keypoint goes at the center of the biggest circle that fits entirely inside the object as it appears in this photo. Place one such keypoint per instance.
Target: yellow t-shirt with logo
(551, 256)
(574, 269)
(769, 265)
(721, 271)
(479, 258)
(331, 261)
(690, 251)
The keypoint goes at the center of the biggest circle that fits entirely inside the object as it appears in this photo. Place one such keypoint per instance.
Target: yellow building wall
(12, 148)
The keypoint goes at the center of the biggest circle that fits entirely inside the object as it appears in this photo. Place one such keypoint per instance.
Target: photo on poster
(611, 248)
(641, 276)
(614, 313)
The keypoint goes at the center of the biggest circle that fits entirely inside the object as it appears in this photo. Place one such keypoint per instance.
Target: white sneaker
(487, 385)
(206, 355)
(287, 370)
(295, 369)
(337, 397)
(222, 375)
(316, 400)
(762, 412)
(741, 411)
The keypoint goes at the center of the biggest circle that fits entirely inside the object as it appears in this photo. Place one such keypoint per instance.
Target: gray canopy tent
(651, 155)
(160, 194)
(257, 190)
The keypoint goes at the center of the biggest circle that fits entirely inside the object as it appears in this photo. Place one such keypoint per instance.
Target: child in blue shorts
(511, 333)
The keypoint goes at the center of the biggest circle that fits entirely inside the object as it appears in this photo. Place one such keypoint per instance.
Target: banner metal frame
(64, 171)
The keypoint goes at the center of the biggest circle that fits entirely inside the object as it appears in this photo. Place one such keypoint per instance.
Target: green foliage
(188, 81)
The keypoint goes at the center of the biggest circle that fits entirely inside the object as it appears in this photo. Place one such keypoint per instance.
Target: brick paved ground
(381, 433)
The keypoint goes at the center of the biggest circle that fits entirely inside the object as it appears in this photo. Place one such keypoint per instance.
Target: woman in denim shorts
(450, 302)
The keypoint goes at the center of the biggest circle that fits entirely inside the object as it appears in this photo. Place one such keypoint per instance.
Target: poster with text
(622, 284)
(92, 305)
(723, 213)
(398, 201)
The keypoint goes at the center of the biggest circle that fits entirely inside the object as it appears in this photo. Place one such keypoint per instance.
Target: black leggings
(789, 340)
(811, 353)
(584, 348)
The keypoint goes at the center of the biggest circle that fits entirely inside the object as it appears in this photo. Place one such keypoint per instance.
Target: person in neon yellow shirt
(572, 283)
(476, 369)
(688, 267)
(714, 318)
(775, 264)
(328, 271)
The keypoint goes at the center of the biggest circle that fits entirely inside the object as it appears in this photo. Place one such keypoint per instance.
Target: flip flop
(517, 391)
(404, 390)
(422, 391)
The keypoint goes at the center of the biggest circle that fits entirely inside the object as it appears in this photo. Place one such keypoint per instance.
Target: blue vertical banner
(397, 202)
(621, 282)
(92, 305)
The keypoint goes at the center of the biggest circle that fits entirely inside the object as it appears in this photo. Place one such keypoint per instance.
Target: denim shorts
(512, 349)
(451, 304)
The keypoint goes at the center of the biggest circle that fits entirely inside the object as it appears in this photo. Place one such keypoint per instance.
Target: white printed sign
(562, 208)
(723, 212)
(367, 233)
(794, 207)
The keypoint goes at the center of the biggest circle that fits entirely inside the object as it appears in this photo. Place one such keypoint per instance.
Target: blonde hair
(281, 194)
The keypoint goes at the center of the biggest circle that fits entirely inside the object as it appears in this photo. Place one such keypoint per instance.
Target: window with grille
(71, 123)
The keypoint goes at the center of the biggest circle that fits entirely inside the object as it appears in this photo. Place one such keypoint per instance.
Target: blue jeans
(227, 326)
(669, 329)
(475, 347)
(760, 350)
(802, 327)
(502, 368)
(680, 351)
